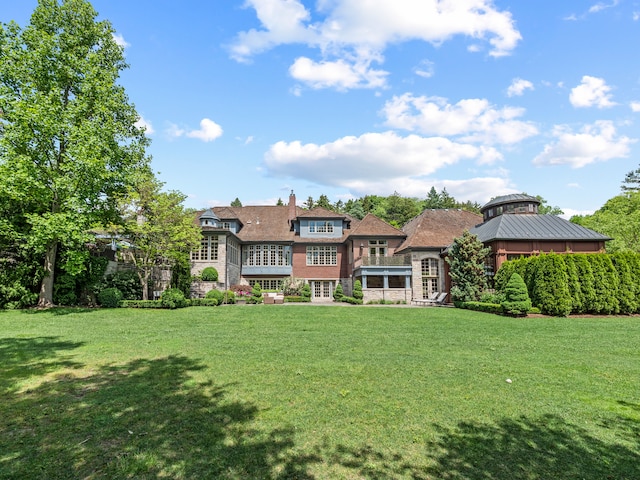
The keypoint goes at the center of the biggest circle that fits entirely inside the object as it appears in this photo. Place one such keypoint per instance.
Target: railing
(394, 261)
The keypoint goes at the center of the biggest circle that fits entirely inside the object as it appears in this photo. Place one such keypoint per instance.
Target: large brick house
(267, 244)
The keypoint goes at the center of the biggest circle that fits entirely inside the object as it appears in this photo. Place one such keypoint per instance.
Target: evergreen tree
(236, 203)
(323, 201)
(517, 300)
(551, 287)
(280, 203)
(466, 261)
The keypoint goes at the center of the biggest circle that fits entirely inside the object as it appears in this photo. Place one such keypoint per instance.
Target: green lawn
(313, 392)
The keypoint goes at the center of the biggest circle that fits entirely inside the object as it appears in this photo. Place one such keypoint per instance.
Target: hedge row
(563, 284)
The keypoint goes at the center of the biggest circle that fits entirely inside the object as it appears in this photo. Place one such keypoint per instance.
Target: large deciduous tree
(619, 218)
(158, 229)
(69, 143)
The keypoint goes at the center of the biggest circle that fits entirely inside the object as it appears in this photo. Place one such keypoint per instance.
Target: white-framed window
(233, 252)
(430, 272)
(377, 248)
(322, 255)
(320, 226)
(267, 283)
(208, 249)
(266, 256)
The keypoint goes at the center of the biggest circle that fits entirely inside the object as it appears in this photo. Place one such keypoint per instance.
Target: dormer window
(320, 226)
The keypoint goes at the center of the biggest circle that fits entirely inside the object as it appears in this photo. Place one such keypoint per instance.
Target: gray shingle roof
(533, 227)
(515, 197)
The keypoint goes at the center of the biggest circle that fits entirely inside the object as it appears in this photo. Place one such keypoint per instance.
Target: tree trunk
(45, 299)
(143, 275)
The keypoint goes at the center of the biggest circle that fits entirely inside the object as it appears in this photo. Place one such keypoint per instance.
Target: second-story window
(377, 248)
(320, 226)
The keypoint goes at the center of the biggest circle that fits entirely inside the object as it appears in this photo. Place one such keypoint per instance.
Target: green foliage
(236, 202)
(628, 287)
(486, 307)
(141, 304)
(605, 284)
(352, 300)
(338, 293)
(306, 292)
(466, 261)
(173, 298)
(296, 299)
(551, 290)
(64, 290)
(124, 280)
(618, 218)
(217, 295)
(517, 301)
(69, 145)
(110, 297)
(581, 283)
(181, 274)
(256, 294)
(209, 274)
(159, 227)
(203, 302)
(292, 286)
(357, 290)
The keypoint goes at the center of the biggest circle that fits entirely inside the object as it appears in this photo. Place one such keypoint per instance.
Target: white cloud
(518, 87)
(356, 33)
(209, 131)
(373, 158)
(592, 92)
(339, 74)
(595, 143)
(119, 39)
(146, 124)
(635, 106)
(425, 69)
(598, 7)
(475, 120)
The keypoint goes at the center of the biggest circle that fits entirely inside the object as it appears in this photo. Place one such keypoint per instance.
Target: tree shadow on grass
(145, 419)
(548, 447)
(21, 358)
(511, 449)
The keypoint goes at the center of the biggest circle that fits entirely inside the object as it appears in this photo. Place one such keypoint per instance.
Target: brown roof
(437, 228)
(320, 212)
(371, 225)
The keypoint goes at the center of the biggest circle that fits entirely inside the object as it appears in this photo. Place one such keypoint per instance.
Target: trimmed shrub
(357, 290)
(587, 281)
(627, 289)
(173, 298)
(605, 284)
(229, 297)
(352, 300)
(574, 284)
(127, 281)
(480, 307)
(296, 299)
(110, 297)
(209, 274)
(256, 294)
(306, 292)
(217, 295)
(517, 300)
(551, 290)
(141, 304)
(203, 302)
(338, 293)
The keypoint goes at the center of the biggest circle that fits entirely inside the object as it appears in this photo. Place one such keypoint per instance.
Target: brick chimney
(293, 213)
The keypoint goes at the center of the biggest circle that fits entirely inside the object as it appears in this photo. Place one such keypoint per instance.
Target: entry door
(322, 289)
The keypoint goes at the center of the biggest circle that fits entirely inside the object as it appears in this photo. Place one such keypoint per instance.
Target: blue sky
(255, 98)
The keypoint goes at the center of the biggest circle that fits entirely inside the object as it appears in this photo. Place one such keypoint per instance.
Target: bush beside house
(593, 283)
